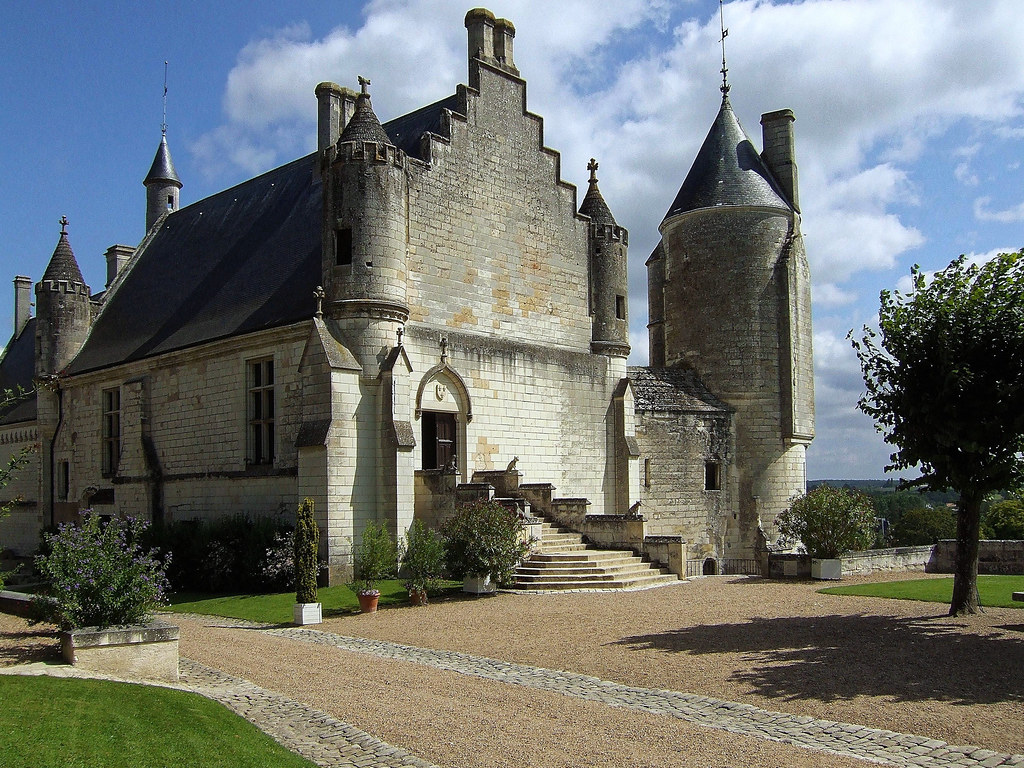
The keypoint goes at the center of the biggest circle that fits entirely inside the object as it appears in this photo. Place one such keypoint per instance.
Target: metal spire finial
(592, 167)
(364, 83)
(725, 34)
(163, 125)
(63, 225)
(319, 295)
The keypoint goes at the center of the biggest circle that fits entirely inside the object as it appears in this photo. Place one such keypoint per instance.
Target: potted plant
(485, 543)
(828, 522)
(102, 590)
(307, 610)
(422, 561)
(376, 559)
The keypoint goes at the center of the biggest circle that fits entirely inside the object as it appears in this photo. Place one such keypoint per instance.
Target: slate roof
(63, 265)
(17, 369)
(243, 260)
(672, 390)
(163, 167)
(727, 171)
(595, 207)
(364, 125)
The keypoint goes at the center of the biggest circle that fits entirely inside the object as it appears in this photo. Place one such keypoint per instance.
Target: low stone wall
(994, 557)
(892, 559)
(614, 531)
(16, 604)
(789, 566)
(668, 552)
(148, 651)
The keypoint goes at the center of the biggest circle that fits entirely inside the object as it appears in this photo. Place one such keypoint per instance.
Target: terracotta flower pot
(418, 596)
(368, 601)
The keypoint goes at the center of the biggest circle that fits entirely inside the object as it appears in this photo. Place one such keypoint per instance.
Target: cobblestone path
(871, 744)
(306, 731)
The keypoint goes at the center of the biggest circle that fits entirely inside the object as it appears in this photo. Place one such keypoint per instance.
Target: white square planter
(827, 570)
(479, 585)
(307, 613)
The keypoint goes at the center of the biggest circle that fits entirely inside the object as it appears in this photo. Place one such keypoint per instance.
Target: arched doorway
(710, 567)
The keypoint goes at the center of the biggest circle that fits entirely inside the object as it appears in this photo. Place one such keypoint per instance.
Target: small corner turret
(162, 185)
(63, 311)
(609, 282)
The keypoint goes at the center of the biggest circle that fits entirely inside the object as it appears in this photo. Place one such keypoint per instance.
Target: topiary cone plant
(307, 543)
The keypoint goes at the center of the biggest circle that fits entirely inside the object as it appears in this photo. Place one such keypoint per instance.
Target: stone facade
(416, 305)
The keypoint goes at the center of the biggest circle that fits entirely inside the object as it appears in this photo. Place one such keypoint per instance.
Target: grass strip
(72, 723)
(277, 608)
(994, 591)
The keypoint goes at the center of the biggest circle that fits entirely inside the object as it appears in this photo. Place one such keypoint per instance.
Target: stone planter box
(307, 613)
(479, 585)
(148, 651)
(830, 569)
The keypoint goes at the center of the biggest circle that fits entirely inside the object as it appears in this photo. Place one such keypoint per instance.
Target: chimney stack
(779, 152)
(335, 107)
(117, 256)
(480, 23)
(22, 303)
(504, 33)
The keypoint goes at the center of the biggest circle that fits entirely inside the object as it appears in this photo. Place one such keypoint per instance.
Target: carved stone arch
(461, 391)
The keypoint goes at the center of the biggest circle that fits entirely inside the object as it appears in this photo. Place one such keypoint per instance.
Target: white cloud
(966, 175)
(1005, 216)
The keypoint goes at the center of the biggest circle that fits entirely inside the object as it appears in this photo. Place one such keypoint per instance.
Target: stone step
(583, 556)
(558, 584)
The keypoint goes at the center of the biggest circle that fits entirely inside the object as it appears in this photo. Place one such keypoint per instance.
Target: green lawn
(70, 723)
(994, 591)
(277, 608)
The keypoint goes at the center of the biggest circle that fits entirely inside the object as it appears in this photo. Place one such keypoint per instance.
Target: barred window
(111, 442)
(261, 412)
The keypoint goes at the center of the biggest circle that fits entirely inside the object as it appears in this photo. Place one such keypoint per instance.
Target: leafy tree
(945, 383)
(376, 558)
(484, 538)
(923, 525)
(830, 521)
(307, 542)
(1004, 520)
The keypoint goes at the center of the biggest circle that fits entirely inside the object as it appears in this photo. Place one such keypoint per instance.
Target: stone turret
(364, 235)
(162, 185)
(63, 311)
(609, 282)
(731, 286)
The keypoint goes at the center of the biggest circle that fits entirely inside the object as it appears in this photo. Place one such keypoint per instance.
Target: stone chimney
(335, 107)
(117, 256)
(22, 303)
(504, 33)
(779, 152)
(480, 23)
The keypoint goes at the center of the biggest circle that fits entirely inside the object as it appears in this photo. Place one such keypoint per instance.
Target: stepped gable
(242, 260)
(673, 390)
(407, 131)
(727, 171)
(17, 369)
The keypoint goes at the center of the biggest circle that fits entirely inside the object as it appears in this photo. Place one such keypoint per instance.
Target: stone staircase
(563, 560)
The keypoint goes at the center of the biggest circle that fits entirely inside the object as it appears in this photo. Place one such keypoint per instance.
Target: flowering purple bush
(99, 575)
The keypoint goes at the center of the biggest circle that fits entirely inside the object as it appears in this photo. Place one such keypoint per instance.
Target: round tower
(365, 244)
(731, 284)
(62, 309)
(609, 282)
(162, 185)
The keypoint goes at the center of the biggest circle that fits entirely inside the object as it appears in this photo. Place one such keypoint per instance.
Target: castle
(416, 307)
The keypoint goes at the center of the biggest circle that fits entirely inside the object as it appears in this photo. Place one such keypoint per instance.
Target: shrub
(829, 521)
(376, 557)
(99, 575)
(423, 558)
(1004, 520)
(237, 553)
(484, 538)
(924, 525)
(307, 542)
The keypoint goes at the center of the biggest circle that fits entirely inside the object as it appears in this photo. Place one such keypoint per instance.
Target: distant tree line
(909, 518)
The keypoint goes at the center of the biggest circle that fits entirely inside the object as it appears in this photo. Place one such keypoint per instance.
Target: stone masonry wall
(673, 450)
(19, 532)
(191, 407)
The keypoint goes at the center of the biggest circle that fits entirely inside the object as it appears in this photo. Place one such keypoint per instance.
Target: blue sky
(910, 125)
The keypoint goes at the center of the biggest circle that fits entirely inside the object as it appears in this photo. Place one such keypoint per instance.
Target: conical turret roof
(727, 171)
(162, 169)
(364, 125)
(594, 205)
(63, 265)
